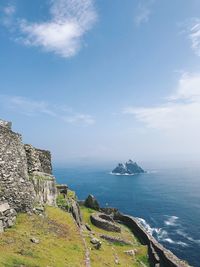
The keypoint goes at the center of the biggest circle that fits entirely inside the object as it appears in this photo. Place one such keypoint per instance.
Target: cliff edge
(52, 228)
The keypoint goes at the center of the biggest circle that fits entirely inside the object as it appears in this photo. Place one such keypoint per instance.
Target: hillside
(43, 224)
(59, 242)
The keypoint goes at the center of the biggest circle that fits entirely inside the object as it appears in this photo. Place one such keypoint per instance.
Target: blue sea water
(167, 201)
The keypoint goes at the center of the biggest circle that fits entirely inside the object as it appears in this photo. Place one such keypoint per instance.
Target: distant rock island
(128, 168)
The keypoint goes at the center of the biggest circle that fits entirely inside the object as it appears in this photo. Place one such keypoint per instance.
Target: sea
(165, 200)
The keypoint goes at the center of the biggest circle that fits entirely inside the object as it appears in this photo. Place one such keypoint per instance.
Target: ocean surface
(166, 201)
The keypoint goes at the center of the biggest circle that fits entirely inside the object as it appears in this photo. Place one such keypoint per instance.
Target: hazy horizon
(100, 82)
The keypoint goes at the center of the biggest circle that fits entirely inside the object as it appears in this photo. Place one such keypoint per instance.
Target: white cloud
(30, 107)
(179, 114)
(143, 11)
(62, 34)
(194, 36)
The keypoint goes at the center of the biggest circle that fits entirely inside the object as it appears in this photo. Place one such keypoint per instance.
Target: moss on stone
(40, 177)
(62, 202)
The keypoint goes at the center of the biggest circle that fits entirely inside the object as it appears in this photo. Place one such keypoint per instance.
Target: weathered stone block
(4, 207)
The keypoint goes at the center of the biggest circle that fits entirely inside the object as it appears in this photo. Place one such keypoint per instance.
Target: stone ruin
(105, 222)
(25, 176)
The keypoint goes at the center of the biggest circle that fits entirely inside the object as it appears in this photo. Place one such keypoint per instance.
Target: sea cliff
(43, 223)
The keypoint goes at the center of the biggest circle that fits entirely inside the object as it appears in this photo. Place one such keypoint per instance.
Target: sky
(101, 81)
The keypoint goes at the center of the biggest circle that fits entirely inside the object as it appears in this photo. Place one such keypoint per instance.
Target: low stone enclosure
(158, 255)
(105, 222)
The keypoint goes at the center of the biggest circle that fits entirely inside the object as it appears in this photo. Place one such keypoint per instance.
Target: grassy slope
(109, 252)
(60, 241)
(61, 245)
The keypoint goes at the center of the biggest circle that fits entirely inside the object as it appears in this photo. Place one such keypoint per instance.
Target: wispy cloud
(29, 107)
(179, 113)
(9, 10)
(143, 12)
(62, 34)
(194, 36)
(80, 118)
(7, 15)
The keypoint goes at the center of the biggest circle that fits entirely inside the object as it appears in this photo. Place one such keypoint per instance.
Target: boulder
(92, 203)
(96, 243)
(94, 240)
(35, 240)
(76, 213)
(130, 252)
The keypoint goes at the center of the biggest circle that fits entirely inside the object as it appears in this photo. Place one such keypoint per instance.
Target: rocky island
(128, 168)
(44, 224)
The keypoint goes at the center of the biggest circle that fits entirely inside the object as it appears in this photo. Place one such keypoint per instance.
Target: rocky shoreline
(158, 255)
(27, 185)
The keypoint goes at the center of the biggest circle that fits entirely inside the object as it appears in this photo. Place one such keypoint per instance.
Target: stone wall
(25, 176)
(45, 160)
(15, 187)
(158, 255)
(40, 173)
(6, 124)
(7, 216)
(38, 160)
(45, 188)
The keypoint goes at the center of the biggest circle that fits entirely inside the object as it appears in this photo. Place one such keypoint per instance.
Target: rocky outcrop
(128, 168)
(67, 200)
(92, 203)
(75, 211)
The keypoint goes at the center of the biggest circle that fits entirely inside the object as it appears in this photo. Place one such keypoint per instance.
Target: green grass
(109, 251)
(60, 242)
(65, 203)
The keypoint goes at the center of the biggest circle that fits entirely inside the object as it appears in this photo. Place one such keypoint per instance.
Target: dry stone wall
(15, 186)
(25, 176)
(7, 216)
(38, 160)
(40, 173)
(158, 255)
(45, 188)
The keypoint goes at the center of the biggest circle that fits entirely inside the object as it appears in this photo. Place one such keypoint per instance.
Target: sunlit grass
(60, 243)
(109, 253)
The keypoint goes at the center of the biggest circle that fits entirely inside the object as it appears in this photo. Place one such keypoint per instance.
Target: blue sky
(103, 80)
